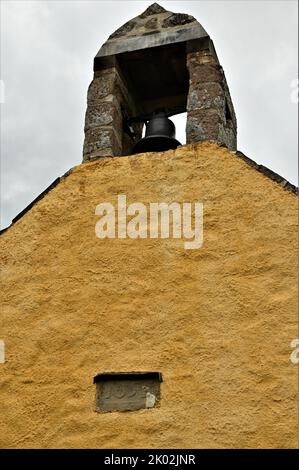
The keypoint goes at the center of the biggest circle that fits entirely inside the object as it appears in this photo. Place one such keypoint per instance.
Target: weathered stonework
(107, 96)
(210, 111)
(132, 53)
(101, 142)
(153, 9)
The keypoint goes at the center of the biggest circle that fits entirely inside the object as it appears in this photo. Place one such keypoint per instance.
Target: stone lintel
(129, 44)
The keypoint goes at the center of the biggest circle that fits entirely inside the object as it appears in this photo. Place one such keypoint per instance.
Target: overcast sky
(47, 51)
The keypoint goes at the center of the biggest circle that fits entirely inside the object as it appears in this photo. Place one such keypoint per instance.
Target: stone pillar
(210, 112)
(104, 128)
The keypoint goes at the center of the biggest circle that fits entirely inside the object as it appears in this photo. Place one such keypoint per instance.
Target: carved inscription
(120, 392)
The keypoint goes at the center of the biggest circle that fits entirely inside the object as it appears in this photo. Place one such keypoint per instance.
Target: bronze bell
(159, 135)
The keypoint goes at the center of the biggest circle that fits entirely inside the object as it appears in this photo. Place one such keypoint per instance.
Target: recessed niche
(127, 391)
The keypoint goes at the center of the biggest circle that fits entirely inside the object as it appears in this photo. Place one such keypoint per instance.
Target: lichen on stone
(151, 24)
(177, 19)
(124, 29)
(153, 9)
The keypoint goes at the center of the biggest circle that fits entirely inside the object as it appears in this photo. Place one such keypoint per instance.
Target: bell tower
(156, 65)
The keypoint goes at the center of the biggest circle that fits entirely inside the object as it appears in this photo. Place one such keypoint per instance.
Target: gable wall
(217, 322)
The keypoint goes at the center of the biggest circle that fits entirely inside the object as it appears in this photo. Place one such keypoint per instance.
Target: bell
(159, 135)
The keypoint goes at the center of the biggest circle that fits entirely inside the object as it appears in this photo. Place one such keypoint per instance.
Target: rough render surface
(216, 322)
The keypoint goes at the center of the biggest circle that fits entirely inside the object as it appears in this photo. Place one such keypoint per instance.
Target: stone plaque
(127, 391)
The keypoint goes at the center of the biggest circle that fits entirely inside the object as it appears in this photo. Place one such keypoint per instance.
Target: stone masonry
(201, 86)
(210, 110)
(107, 96)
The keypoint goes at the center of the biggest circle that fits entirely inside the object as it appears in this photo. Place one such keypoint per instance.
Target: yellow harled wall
(217, 322)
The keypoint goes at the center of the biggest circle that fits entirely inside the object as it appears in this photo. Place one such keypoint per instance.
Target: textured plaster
(217, 322)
